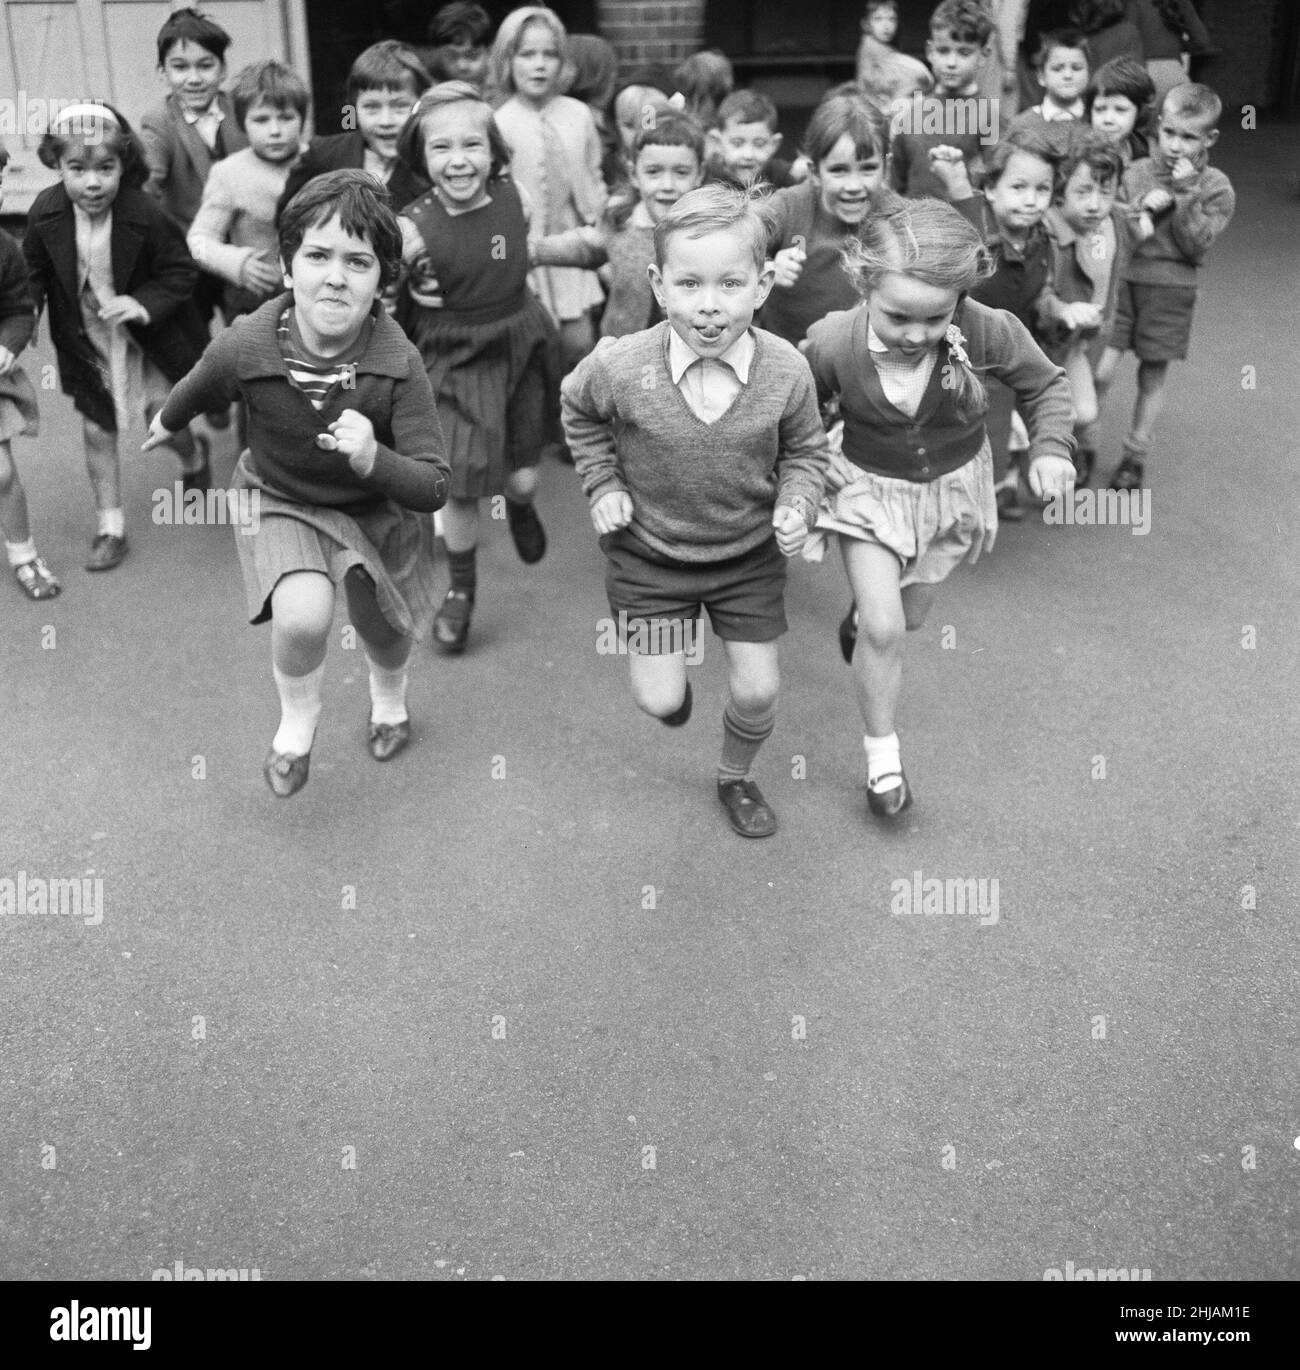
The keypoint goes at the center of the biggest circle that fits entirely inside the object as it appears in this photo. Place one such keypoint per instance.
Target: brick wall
(643, 32)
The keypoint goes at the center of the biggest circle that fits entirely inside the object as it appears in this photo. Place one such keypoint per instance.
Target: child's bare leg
(659, 684)
(14, 521)
(522, 485)
(1150, 401)
(387, 651)
(460, 534)
(917, 600)
(1083, 390)
(302, 612)
(874, 574)
(102, 467)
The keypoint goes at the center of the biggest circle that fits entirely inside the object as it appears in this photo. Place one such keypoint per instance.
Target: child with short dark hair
(345, 460)
(113, 270)
(1061, 65)
(960, 34)
(705, 79)
(233, 234)
(18, 414)
(1120, 102)
(383, 86)
(695, 440)
(1190, 204)
(743, 143)
(667, 162)
(460, 35)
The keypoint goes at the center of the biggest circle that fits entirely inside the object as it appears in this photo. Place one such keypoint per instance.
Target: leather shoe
(106, 551)
(387, 739)
(849, 634)
(746, 807)
(285, 774)
(1128, 475)
(890, 803)
(451, 623)
(527, 532)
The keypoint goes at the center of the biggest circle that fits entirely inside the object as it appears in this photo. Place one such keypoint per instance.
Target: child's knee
(1085, 410)
(302, 606)
(1151, 376)
(882, 632)
(657, 696)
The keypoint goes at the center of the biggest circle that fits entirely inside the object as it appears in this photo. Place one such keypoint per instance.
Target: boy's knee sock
(387, 693)
(464, 570)
(20, 553)
(1135, 449)
(742, 736)
(300, 704)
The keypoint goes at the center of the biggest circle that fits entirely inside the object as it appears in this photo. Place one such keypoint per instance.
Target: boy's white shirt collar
(1059, 114)
(739, 356)
(214, 113)
(640, 216)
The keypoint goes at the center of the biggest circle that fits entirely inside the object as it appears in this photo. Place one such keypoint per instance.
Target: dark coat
(340, 150)
(150, 263)
(179, 160)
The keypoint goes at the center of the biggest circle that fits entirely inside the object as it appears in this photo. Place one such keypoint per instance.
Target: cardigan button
(920, 451)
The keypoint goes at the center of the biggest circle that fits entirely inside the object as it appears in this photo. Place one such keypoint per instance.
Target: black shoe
(527, 531)
(1085, 458)
(202, 478)
(106, 552)
(746, 808)
(890, 803)
(387, 739)
(451, 623)
(682, 712)
(1128, 475)
(286, 774)
(1010, 510)
(849, 633)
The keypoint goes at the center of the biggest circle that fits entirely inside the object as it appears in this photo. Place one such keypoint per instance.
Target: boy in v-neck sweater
(700, 447)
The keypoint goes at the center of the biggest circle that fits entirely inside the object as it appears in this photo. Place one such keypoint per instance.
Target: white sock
(20, 553)
(113, 521)
(300, 701)
(882, 759)
(387, 694)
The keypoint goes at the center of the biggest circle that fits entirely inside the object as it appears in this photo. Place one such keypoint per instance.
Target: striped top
(314, 375)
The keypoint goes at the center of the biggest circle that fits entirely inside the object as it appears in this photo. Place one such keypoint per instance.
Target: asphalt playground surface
(521, 1005)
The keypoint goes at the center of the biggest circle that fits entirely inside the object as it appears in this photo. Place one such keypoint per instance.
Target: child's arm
(209, 235)
(211, 385)
(592, 154)
(17, 317)
(414, 471)
(583, 246)
(40, 269)
(948, 165)
(304, 167)
(1199, 214)
(803, 457)
(900, 163)
(589, 410)
(157, 154)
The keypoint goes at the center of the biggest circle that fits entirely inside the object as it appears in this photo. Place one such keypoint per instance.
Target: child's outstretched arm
(211, 385)
(589, 409)
(1199, 215)
(209, 236)
(803, 457)
(414, 471)
(582, 246)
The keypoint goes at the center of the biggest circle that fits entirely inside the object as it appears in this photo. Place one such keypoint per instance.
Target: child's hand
(7, 361)
(1183, 174)
(612, 512)
(791, 530)
(124, 309)
(789, 263)
(1145, 226)
(1081, 314)
(945, 160)
(259, 276)
(1157, 201)
(158, 435)
(354, 436)
(1050, 477)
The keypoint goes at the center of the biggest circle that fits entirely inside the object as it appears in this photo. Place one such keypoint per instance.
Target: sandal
(37, 580)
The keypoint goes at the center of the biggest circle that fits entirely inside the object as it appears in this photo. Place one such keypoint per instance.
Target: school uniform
(338, 151)
(179, 158)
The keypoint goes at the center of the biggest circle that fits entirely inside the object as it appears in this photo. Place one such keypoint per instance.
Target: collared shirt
(710, 384)
(207, 122)
(902, 381)
(1053, 113)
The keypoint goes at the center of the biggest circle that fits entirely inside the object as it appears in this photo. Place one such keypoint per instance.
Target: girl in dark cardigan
(119, 283)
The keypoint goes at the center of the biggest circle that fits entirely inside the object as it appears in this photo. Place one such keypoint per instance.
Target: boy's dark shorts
(1154, 321)
(744, 595)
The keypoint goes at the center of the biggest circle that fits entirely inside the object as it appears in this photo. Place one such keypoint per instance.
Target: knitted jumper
(1172, 255)
(700, 492)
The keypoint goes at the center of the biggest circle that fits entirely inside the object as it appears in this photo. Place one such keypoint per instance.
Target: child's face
(381, 115)
(535, 67)
(847, 178)
(457, 153)
(464, 62)
(334, 278)
(1020, 196)
(745, 149)
(1183, 136)
(1114, 117)
(709, 288)
(1064, 75)
(1086, 199)
(909, 316)
(193, 73)
(662, 175)
(274, 131)
(92, 176)
(635, 105)
(882, 23)
(955, 65)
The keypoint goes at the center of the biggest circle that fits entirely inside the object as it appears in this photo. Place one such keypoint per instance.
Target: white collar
(875, 345)
(739, 356)
(640, 216)
(213, 111)
(1060, 114)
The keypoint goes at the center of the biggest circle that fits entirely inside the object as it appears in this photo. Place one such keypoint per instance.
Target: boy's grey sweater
(700, 492)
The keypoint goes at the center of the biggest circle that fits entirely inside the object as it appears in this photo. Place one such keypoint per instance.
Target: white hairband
(84, 112)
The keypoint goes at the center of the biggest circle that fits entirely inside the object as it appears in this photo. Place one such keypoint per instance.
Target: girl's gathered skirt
(930, 526)
(394, 546)
(496, 386)
(131, 381)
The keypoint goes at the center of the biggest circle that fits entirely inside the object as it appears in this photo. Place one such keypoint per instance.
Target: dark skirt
(496, 385)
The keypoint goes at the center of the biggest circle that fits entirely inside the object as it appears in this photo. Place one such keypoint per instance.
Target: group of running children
(405, 301)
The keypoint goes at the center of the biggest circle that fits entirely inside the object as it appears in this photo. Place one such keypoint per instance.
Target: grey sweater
(700, 492)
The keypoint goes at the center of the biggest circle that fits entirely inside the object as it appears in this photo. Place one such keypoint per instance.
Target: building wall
(643, 33)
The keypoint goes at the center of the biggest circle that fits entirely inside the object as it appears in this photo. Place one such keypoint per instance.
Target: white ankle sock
(882, 759)
(20, 553)
(112, 521)
(300, 702)
(387, 694)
